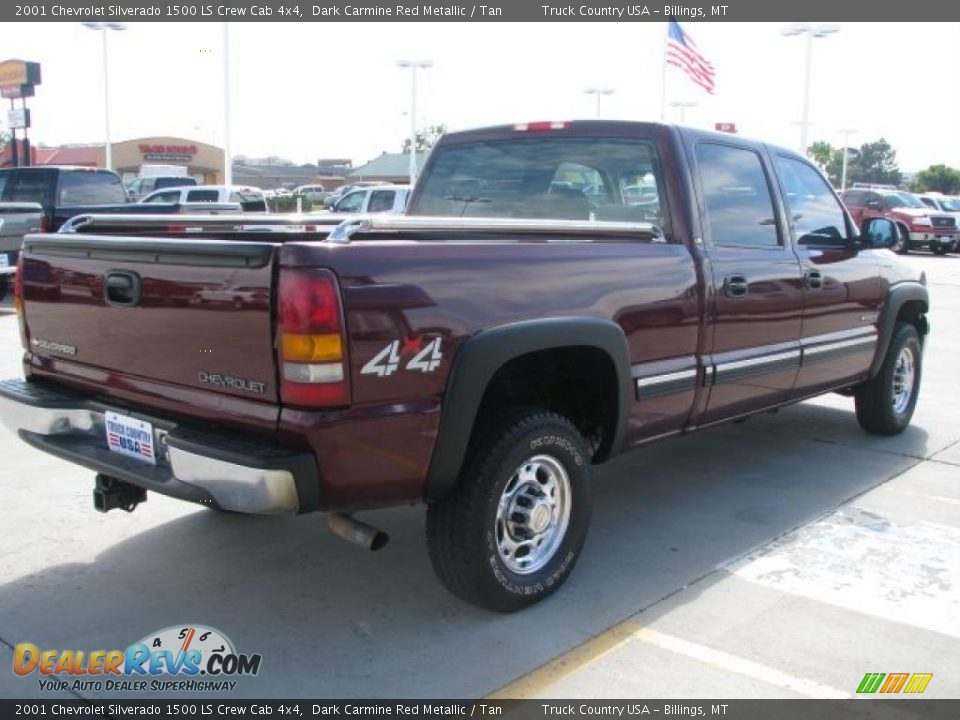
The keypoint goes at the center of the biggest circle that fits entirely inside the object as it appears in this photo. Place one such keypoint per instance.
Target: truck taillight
(311, 347)
(44, 223)
(18, 302)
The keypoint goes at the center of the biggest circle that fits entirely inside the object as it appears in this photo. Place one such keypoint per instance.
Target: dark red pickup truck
(556, 294)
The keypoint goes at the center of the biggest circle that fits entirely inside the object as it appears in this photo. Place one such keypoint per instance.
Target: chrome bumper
(223, 470)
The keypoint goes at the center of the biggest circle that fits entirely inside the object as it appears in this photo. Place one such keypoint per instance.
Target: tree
(821, 152)
(877, 163)
(937, 178)
(426, 138)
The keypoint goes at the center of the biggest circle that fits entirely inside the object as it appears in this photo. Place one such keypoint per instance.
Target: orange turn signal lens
(311, 348)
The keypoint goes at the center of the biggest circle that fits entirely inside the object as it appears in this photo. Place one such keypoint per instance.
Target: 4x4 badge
(387, 361)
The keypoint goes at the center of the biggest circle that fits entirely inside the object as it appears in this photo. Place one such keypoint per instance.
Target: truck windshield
(899, 200)
(559, 178)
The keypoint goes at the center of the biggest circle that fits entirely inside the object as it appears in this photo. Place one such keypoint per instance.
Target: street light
(103, 27)
(599, 92)
(227, 157)
(811, 31)
(846, 132)
(414, 65)
(683, 105)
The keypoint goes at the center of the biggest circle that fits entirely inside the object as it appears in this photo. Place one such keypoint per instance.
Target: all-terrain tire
(510, 532)
(883, 407)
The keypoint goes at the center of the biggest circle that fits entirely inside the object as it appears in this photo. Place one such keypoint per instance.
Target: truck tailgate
(189, 318)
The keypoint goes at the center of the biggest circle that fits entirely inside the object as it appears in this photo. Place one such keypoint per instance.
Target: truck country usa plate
(129, 436)
(4, 260)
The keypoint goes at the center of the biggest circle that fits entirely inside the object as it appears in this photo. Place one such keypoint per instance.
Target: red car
(920, 227)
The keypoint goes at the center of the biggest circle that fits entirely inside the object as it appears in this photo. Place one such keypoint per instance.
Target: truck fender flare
(481, 356)
(898, 296)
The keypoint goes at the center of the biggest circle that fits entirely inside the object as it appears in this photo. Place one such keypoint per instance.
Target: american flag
(682, 53)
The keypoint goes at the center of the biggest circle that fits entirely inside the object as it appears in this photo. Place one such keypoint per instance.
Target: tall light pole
(104, 27)
(846, 132)
(683, 105)
(227, 157)
(414, 65)
(599, 92)
(811, 32)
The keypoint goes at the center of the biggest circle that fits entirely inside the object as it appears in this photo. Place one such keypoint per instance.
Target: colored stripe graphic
(870, 682)
(894, 683)
(918, 682)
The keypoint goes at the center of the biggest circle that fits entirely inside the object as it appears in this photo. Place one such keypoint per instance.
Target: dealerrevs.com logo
(180, 658)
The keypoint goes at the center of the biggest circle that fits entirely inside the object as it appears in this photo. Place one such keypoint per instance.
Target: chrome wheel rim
(533, 514)
(904, 377)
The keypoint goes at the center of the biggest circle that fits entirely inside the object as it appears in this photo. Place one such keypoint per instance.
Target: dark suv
(920, 227)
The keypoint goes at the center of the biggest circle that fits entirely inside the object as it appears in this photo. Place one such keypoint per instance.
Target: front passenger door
(757, 301)
(841, 284)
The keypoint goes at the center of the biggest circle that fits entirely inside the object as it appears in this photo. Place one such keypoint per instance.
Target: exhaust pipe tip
(356, 532)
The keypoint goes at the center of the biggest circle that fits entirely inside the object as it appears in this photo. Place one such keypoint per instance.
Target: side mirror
(879, 233)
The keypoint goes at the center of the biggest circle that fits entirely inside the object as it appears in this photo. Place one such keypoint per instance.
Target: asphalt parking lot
(782, 557)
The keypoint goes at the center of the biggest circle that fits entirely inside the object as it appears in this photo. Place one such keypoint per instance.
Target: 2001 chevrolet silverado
(529, 318)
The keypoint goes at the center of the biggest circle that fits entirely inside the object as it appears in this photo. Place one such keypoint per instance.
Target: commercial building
(203, 161)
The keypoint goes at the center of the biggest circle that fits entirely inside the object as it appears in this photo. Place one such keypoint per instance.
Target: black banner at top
(489, 11)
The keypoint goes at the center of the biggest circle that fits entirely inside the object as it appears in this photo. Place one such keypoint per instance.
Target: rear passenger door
(756, 304)
(841, 285)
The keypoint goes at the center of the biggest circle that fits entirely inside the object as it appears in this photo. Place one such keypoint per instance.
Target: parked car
(477, 354)
(143, 186)
(945, 204)
(339, 192)
(250, 198)
(313, 193)
(65, 192)
(373, 199)
(920, 226)
(16, 220)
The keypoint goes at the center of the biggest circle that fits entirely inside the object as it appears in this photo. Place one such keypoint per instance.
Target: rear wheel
(886, 403)
(938, 248)
(509, 534)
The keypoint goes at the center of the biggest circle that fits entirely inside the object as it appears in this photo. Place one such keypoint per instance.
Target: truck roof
(599, 128)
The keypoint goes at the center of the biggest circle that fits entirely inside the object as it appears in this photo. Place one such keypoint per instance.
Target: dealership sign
(15, 73)
(169, 153)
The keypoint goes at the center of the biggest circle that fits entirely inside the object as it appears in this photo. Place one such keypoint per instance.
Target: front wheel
(509, 534)
(886, 403)
(902, 246)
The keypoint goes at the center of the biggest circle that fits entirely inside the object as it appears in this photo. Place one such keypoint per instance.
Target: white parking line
(731, 663)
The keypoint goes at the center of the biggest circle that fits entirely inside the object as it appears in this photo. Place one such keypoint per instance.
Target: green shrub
(289, 204)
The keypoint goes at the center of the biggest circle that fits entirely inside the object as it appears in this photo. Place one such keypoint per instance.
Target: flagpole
(663, 77)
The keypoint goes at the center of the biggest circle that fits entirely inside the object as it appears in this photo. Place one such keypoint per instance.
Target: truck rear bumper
(229, 471)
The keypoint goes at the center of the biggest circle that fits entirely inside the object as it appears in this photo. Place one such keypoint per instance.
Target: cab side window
(352, 202)
(815, 214)
(739, 204)
(381, 201)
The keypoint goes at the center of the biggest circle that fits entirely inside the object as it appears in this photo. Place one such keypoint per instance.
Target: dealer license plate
(129, 436)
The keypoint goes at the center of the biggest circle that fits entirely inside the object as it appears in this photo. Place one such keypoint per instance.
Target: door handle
(122, 288)
(813, 280)
(735, 286)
